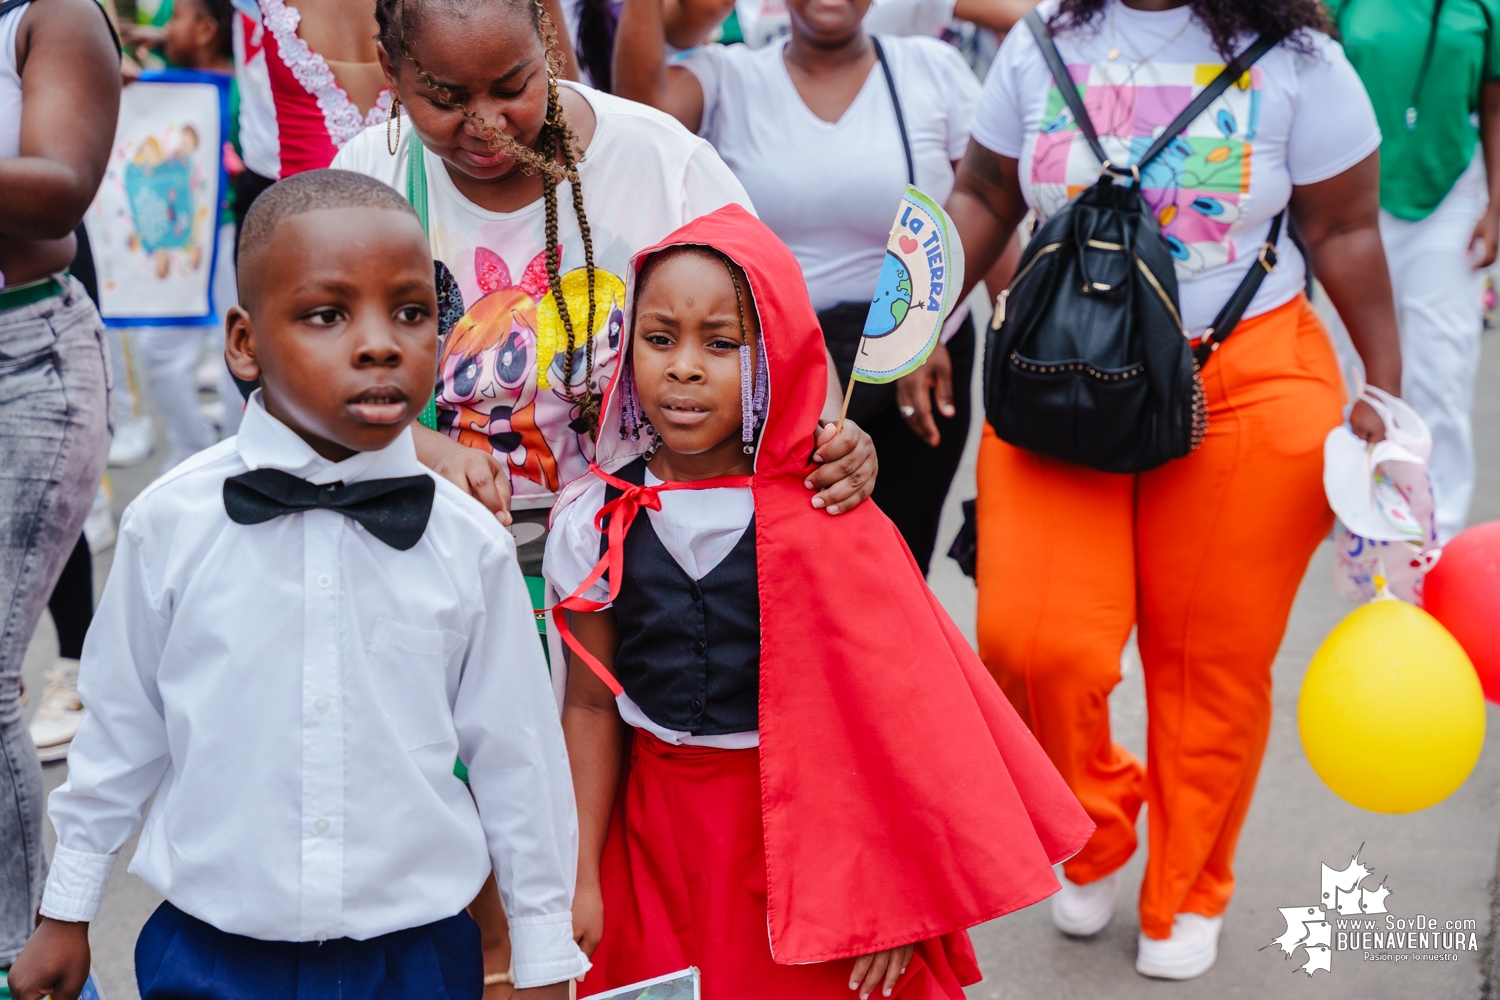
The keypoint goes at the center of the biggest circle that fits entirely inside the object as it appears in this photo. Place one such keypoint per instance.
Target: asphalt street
(1440, 863)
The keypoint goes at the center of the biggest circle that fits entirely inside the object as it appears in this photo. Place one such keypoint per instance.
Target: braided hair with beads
(755, 380)
(556, 141)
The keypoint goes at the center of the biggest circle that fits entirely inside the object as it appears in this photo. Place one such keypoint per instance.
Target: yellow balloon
(1391, 712)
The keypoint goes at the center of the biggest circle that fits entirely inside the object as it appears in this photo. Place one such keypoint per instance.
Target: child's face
(491, 62)
(189, 33)
(342, 327)
(687, 353)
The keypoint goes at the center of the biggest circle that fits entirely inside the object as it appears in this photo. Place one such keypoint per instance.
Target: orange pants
(1204, 556)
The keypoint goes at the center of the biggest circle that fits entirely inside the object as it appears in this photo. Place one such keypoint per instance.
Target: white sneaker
(60, 713)
(99, 530)
(132, 442)
(1187, 954)
(207, 373)
(213, 412)
(1085, 910)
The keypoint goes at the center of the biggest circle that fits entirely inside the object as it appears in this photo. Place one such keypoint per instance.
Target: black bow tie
(393, 510)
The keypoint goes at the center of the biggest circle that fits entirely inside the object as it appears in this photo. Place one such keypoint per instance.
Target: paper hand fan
(919, 285)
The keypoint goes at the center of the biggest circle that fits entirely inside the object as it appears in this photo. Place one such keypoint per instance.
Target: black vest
(689, 651)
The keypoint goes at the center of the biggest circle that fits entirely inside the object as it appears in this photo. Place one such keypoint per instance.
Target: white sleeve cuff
(76, 884)
(543, 950)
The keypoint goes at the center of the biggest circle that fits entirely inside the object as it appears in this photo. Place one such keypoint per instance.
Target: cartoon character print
(160, 181)
(553, 385)
(487, 387)
(1198, 187)
(501, 373)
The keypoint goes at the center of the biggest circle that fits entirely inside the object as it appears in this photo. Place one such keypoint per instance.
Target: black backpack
(1086, 358)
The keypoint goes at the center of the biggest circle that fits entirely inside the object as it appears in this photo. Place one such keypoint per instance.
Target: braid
(557, 134)
(557, 141)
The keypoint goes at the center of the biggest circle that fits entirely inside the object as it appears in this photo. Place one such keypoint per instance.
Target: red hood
(903, 798)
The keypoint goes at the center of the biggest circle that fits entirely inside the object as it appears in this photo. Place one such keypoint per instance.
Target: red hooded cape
(902, 797)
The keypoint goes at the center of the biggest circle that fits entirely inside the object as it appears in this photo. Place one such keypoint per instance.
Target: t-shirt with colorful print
(1299, 116)
(505, 382)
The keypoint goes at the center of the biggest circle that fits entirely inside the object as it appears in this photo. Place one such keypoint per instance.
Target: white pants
(168, 357)
(1441, 316)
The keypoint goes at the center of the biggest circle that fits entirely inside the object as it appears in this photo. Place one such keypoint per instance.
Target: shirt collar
(266, 443)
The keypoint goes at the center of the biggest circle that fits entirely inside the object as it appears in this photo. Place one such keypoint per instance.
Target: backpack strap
(890, 84)
(1064, 80)
(416, 179)
(1227, 76)
(1229, 316)
(416, 193)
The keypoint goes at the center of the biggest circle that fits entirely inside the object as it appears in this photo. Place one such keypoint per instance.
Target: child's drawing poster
(154, 224)
(677, 986)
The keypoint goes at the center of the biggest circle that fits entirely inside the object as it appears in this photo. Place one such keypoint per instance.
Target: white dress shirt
(698, 528)
(293, 695)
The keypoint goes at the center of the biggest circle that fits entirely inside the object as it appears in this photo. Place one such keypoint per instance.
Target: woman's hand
(914, 394)
(588, 916)
(1366, 423)
(848, 468)
(870, 970)
(477, 473)
(1487, 233)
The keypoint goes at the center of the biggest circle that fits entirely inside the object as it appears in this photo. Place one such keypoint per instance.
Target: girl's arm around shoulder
(596, 750)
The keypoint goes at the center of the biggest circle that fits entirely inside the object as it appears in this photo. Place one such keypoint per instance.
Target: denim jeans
(54, 441)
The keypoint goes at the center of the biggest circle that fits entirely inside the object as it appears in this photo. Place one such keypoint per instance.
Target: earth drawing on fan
(892, 296)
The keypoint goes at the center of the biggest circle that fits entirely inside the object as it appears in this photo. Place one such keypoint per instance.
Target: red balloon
(1463, 592)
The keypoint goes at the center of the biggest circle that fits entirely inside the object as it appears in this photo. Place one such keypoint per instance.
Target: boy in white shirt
(303, 628)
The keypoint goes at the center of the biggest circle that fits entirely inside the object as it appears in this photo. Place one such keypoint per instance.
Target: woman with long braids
(487, 141)
(1204, 554)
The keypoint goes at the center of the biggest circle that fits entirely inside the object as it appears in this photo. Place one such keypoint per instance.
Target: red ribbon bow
(621, 512)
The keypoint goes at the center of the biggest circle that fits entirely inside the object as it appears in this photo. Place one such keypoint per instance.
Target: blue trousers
(178, 957)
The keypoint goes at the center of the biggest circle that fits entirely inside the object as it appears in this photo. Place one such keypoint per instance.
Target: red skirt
(684, 880)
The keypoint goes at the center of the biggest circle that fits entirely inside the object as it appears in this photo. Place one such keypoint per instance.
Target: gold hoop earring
(395, 115)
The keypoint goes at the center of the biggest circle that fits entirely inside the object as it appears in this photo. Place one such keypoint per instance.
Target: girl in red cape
(822, 788)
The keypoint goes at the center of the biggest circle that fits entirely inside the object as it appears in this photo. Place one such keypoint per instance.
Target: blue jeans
(54, 441)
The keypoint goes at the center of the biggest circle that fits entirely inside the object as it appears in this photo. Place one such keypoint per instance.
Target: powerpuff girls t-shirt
(505, 381)
(1299, 116)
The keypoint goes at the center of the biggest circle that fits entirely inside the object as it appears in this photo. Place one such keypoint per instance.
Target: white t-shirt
(830, 190)
(697, 527)
(260, 140)
(643, 177)
(765, 21)
(1303, 118)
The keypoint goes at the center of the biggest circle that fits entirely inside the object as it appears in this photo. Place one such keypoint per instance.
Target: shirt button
(320, 827)
(697, 594)
(697, 705)
(325, 581)
(320, 706)
(699, 648)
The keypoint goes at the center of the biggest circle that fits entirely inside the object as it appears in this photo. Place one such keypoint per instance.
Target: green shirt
(1385, 41)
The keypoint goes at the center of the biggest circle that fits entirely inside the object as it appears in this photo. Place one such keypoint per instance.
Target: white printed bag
(1383, 500)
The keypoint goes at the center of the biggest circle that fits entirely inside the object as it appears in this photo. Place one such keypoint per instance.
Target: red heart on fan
(907, 244)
